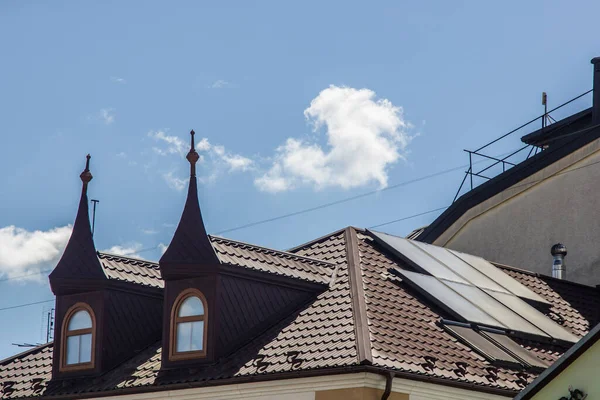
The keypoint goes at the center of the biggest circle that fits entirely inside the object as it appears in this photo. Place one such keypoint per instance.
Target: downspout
(388, 385)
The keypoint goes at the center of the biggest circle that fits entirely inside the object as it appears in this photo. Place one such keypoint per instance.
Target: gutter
(285, 375)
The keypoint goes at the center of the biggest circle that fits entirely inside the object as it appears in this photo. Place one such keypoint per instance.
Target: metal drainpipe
(388, 385)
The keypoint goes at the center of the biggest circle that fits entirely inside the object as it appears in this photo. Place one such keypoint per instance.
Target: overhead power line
(25, 305)
(339, 201)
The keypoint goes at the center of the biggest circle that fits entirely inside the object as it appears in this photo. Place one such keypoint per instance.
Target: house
(355, 314)
(573, 376)
(548, 198)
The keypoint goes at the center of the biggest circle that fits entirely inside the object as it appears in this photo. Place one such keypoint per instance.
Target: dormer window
(78, 335)
(188, 326)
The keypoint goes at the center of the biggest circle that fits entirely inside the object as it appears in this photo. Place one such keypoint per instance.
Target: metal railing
(545, 119)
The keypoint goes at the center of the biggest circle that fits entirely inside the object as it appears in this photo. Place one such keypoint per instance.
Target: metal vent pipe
(559, 267)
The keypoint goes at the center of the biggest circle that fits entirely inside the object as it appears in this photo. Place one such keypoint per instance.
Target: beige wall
(518, 226)
(357, 394)
(582, 374)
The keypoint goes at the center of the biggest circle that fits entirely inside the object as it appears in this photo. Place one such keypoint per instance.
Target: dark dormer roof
(79, 259)
(190, 243)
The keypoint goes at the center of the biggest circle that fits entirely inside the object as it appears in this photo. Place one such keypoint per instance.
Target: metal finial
(86, 175)
(193, 156)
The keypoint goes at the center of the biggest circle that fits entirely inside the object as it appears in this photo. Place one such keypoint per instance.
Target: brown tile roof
(132, 270)
(147, 273)
(268, 260)
(403, 332)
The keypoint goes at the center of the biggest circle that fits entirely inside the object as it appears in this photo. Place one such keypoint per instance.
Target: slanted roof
(132, 270)
(399, 331)
(567, 359)
(562, 147)
(548, 135)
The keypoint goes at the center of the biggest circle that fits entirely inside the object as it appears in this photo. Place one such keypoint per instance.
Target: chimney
(559, 268)
(596, 92)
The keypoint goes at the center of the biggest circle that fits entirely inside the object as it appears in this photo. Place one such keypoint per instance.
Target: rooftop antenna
(545, 104)
(50, 325)
(94, 214)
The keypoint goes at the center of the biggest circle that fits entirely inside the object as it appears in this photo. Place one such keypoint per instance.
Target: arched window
(188, 325)
(78, 338)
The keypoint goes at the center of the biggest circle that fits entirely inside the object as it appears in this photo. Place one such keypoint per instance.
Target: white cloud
(174, 182)
(24, 252)
(122, 155)
(107, 115)
(220, 84)
(365, 136)
(235, 162)
(125, 250)
(149, 231)
(171, 144)
(218, 158)
(162, 247)
(116, 79)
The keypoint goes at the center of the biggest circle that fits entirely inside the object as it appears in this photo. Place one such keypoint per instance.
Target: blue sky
(299, 104)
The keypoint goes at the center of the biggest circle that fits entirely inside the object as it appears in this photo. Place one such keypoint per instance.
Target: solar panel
(458, 265)
(481, 344)
(473, 288)
(503, 279)
(513, 347)
(422, 260)
(495, 309)
(450, 299)
(534, 316)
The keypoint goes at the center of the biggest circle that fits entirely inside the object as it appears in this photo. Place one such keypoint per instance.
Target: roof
(147, 273)
(548, 134)
(364, 321)
(567, 359)
(563, 146)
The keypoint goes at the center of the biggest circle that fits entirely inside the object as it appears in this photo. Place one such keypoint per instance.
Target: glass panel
(496, 309)
(191, 306)
(534, 316)
(495, 274)
(457, 265)
(184, 336)
(480, 343)
(449, 298)
(72, 350)
(197, 339)
(85, 348)
(418, 257)
(80, 320)
(517, 350)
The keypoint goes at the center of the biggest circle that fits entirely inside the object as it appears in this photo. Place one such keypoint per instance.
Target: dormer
(101, 318)
(212, 305)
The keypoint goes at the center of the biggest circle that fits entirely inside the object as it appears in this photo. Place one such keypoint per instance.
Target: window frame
(175, 355)
(65, 334)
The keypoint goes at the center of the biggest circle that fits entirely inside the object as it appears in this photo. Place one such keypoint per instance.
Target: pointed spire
(192, 156)
(79, 259)
(190, 243)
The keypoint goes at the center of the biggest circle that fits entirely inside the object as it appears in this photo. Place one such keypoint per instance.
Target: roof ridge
(106, 254)
(25, 353)
(357, 293)
(317, 240)
(284, 252)
(538, 275)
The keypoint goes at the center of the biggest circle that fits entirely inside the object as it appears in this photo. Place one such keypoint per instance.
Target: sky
(326, 114)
